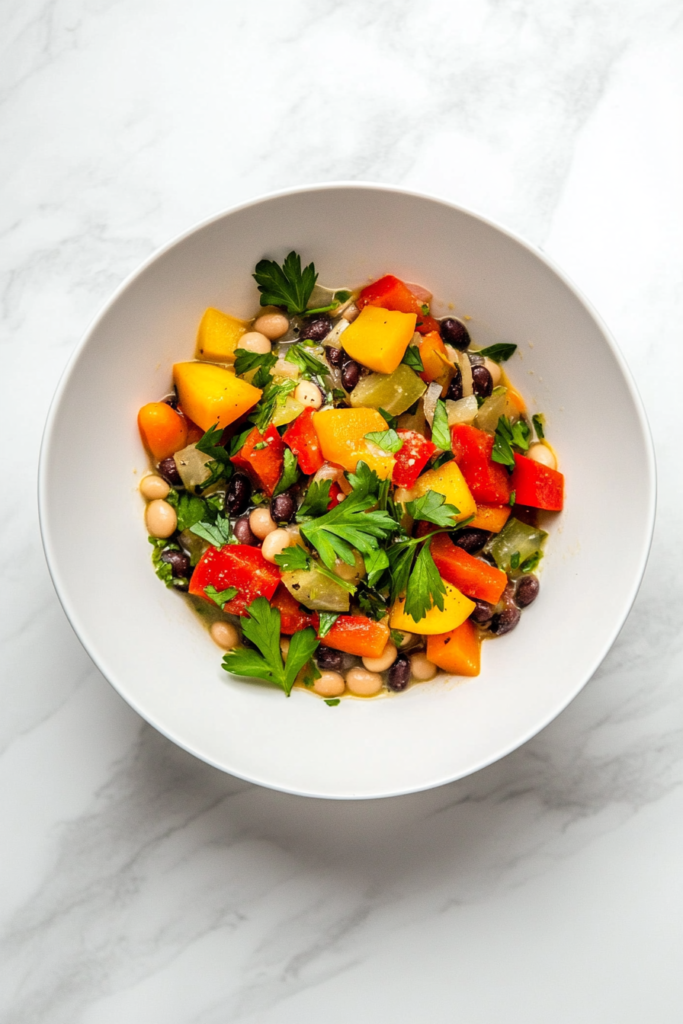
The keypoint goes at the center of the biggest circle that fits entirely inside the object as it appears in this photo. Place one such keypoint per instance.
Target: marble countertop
(138, 884)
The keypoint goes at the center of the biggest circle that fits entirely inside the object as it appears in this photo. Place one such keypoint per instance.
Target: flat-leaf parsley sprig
(263, 629)
(288, 285)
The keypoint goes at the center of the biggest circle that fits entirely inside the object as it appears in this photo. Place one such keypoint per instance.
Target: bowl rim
(48, 542)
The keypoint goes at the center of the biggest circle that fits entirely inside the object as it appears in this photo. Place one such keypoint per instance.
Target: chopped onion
(328, 471)
(284, 369)
(466, 370)
(430, 399)
(333, 337)
(463, 411)
(192, 466)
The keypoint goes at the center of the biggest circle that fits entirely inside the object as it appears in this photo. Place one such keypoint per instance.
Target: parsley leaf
(539, 425)
(220, 597)
(530, 563)
(396, 637)
(347, 526)
(514, 560)
(295, 559)
(274, 394)
(210, 444)
(506, 436)
(387, 440)
(513, 497)
(288, 285)
(190, 509)
(290, 473)
(372, 604)
(217, 532)
(499, 353)
(375, 564)
(307, 363)
(441, 435)
(364, 481)
(425, 586)
(332, 701)
(442, 459)
(238, 442)
(425, 309)
(432, 508)
(327, 621)
(316, 501)
(246, 361)
(263, 629)
(163, 569)
(413, 359)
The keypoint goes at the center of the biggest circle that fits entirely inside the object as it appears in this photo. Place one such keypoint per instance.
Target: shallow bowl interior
(148, 642)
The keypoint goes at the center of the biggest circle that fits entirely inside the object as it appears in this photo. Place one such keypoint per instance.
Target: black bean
(350, 374)
(399, 674)
(505, 621)
(328, 659)
(315, 328)
(179, 562)
(334, 356)
(482, 612)
(527, 591)
(168, 469)
(282, 508)
(507, 598)
(470, 539)
(455, 387)
(482, 381)
(238, 494)
(454, 333)
(242, 531)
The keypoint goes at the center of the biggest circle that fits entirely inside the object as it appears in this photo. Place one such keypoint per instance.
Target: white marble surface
(137, 883)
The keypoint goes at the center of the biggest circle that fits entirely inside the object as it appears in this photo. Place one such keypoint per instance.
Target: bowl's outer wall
(155, 651)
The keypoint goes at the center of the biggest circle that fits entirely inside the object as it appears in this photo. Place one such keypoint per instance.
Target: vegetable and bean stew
(347, 488)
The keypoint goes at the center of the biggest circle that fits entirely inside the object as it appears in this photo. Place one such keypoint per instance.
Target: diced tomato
(263, 465)
(426, 324)
(301, 436)
(471, 575)
(293, 617)
(390, 293)
(356, 634)
(537, 485)
(488, 481)
(411, 458)
(336, 495)
(235, 565)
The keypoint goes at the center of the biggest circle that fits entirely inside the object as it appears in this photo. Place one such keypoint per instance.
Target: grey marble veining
(141, 885)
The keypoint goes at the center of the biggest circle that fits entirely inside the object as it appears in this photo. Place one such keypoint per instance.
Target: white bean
(494, 369)
(362, 683)
(330, 684)
(421, 668)
(161, 518)
(261, 523)
(386, 658)
(308, 394)
(254, 341)
(225, 635)
(543, 454)
(273, 325)
(154, 486)
(275, 543)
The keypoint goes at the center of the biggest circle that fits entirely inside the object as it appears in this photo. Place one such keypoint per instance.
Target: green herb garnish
(506, 437)
(190, 509)
(295, 559)
(290, 473)
(387, 440)
(514, 560)
(246, 361)
(513, 497)
(220, 597)
(327, 621)
(441, 435)
(332, 701)
(263, 629)
(347, 526)
(413, 359)
(392, 421)
(273, 395)
(307, 363)
(316, 501)
(500, 353)
(432, 508)
(288, 285)
(164, 570)
(539, 425)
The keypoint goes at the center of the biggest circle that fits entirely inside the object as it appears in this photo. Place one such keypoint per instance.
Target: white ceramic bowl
(148, 642)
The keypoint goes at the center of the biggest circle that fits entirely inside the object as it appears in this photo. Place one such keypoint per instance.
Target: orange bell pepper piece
(356, 634)
(471, 575)
(458, 652)
(434, 356)
(162, 429)
(491, 517)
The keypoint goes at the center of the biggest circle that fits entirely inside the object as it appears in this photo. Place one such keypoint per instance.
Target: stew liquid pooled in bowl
(345, 488)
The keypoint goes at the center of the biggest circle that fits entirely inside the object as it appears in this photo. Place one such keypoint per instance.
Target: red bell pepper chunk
(471, 575)
(263, 465)
(411, 458)
(389, 292)
(488, 481)
(426, 324)
(293, 617)
(302, 437)
(537, 485)
(356, 634)
(235, 565)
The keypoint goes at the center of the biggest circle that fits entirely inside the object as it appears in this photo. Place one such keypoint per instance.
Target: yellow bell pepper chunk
(341, 433)
(449, 481)
(218, 335)
(211, 394)
(456, 609)
(378, 338)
